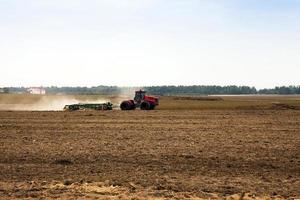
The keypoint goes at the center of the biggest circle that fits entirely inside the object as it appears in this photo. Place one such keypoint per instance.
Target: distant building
(4, 90)
(36, 90)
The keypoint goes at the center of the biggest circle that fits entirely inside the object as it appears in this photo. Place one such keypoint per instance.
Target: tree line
(164, 90)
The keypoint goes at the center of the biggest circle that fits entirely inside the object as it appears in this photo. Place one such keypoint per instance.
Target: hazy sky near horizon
(149, 42)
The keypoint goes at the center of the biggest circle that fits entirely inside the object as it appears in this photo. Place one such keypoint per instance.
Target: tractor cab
(139, 95)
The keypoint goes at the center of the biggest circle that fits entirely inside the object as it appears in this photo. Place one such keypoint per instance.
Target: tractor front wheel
(152, 107)
(145, 105)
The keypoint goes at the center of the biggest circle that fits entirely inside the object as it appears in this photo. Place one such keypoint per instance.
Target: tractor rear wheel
(145, 105)
(125, 105)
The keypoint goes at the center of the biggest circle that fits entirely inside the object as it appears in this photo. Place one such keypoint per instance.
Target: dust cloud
(56, 102)
(45, 103)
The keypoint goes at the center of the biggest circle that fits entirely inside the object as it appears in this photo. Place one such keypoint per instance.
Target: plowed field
(157, 154)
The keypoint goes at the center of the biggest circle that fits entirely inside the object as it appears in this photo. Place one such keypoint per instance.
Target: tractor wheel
(132, 105)
(125, 105)
(145, 105)
(152, 106)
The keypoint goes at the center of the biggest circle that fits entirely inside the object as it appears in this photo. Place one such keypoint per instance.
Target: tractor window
(139, 95)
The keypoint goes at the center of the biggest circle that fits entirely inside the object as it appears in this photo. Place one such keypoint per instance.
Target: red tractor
(140, 101)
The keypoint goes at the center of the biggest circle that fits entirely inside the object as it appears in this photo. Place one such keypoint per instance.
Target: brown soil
(198, 98)
(159, 154)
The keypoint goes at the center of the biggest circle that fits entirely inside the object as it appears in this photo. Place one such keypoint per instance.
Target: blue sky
(149, 42)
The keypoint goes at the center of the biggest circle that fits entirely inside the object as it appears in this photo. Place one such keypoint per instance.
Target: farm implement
(89, 106)
(141, 100)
